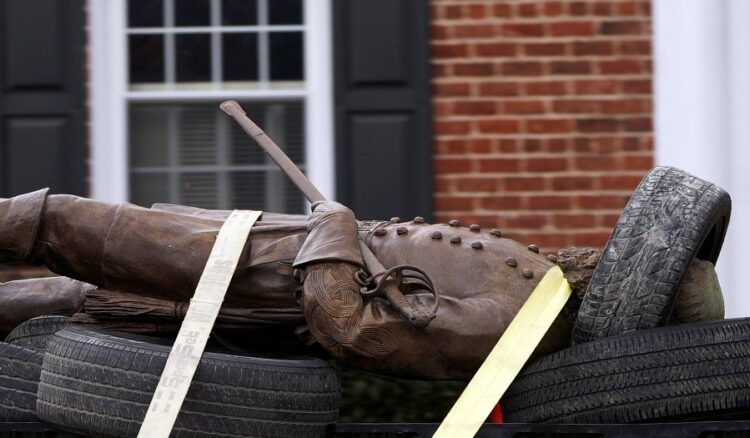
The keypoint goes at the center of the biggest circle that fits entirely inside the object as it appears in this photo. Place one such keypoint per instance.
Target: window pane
(147, 189)
(192, 12)
(146, 58)
(208, 160)
(240, 56)
(239, 12)
(193, 57)
(148, 142)
(269, 191)
(199, 190)
(197, 135)
(145, 13)
(286, 56)
(285, 11)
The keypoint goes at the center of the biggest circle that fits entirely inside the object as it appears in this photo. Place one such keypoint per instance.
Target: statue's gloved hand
(332, 236)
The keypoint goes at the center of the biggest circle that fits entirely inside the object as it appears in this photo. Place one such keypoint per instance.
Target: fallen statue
(303, 276)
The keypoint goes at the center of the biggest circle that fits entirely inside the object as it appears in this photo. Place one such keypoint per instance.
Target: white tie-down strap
(196, 327)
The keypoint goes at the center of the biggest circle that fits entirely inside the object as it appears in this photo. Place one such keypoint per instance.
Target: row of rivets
(454, 223)
(528, 273)
(534, 248)
(456, 239)
(475, 228)
(437, 235)
(496, 233)
(552, 258)
(511, 261)
(477, 245)
(395, 219)
(401, 230)
(418, 220)
(380, 232)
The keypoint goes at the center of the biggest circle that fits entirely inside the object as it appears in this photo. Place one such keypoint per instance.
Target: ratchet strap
(507, 357)
(196, 327)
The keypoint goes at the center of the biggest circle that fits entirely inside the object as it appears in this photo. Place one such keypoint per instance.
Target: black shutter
(41, 96)
(382, 98)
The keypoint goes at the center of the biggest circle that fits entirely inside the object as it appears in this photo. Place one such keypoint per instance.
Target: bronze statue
(135, 263)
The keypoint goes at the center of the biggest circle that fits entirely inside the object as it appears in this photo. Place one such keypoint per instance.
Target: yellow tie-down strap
(508, 357)
(196, 327)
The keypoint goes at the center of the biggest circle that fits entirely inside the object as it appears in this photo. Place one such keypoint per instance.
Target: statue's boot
(19, 225)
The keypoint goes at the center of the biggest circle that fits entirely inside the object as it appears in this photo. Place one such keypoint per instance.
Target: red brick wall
(542, 115)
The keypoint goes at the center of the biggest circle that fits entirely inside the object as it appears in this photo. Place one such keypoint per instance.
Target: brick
(549, 125)
(450, 89)
(477, 11)
(588, 48)
(576, 106)
(523, 184)
(640, 47)
(527, 221)
(549, 202)
(572, 28)
(531, 145)
(597, 162)
(545, 88)
(528, 10)
(523, 107)
(498, 126)
(555, 164)
(641, 124)
(441, 184)
(480, 146)
(499, 89)
(474, 31)
(521, 68)
(544, 49)
(595, 86)
(507, 145)
(637, 86)
(621, 66)
(454, 12)
(570, 67)
(568, 183)
(523, 30)
(556, 145)
(499, 165)
(597, 240)
(474, 69)
(602, 9)
(476, 184)
(601, 202)
(501, 10)
(500, 203)
(626, 106)
(472, 107)
(630, 27)
(609, 220)
(454, 203)
(442, 109)
(553, 8)
(440, 70)
(445, 127)
(597, 125)
(439, 32)
(578, 8)
(574, 221)
(444, 165)
(638, 162)
(496, 49)
(451, 146)
(627, 8)
(445, 50)
(620, 182)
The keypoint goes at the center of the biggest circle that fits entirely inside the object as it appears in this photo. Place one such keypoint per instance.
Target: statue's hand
(332, 236)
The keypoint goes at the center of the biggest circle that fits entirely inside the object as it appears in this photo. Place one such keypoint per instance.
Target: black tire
(685, 372)
(36, 332)
(671, 218)
(19, 378)
(100, 384)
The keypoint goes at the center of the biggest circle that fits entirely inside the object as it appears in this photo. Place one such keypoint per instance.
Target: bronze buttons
(380, 232)
(477, 245)
(395, 219)
(401, 230)
(510, 261)
(456, 240)
(496, 233)
(418, 220)
(528, 273)
(436, 235)
(474, 227)
(454, 223)
(534, 248)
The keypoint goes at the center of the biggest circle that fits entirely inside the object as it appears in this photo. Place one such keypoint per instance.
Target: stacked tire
(623, 365)
(100, 384)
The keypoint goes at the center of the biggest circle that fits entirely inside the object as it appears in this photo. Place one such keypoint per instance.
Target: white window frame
(109, 98)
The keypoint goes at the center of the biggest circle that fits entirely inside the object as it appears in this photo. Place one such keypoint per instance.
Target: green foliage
(372, 398)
